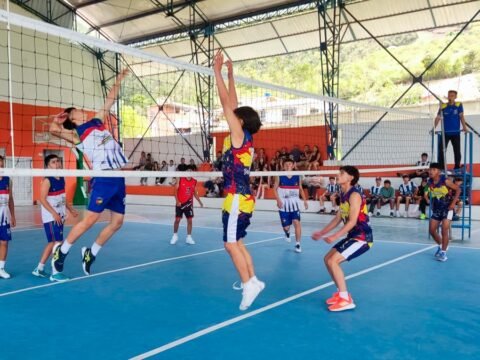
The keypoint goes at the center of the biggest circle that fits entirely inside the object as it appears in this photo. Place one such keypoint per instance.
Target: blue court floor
(149, 299)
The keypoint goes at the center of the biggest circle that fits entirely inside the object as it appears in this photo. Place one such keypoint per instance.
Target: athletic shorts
(5, 233)
(184, 209)
(107, 193)
(440, 213)
(53, 231)
(237, 211)
(350, 248)
(287, 217)
(403, 198)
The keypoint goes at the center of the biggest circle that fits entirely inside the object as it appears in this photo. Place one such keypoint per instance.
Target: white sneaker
(174, 239)
(260, 284)
(298, 248)
(189, 240)
(288, 239)
(405, 214)
(4, 274)
(250, 292)
(397, 214)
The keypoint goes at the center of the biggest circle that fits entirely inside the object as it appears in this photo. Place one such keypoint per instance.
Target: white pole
(10, 91)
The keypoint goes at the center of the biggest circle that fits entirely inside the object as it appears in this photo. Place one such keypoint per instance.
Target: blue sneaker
(39, 273)
(443, 256)
(439, 250)
(58, 277)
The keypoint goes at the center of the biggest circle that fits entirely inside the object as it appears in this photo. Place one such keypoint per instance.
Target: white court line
(128, 268)
(266, 308)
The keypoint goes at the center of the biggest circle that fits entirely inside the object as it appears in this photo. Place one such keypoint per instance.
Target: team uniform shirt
(239, 203)
(407, 189)
(451, 117)
(57, 200)
(375, 191)
(440, 198)
(289, 193)
(186, 191)
(359, 238)
(423, 163)
(5, 216)
(103, 153)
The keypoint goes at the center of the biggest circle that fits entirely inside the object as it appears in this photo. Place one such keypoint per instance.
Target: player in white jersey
(103, 152)
(7, 219)
(53, 206)
(287, 191)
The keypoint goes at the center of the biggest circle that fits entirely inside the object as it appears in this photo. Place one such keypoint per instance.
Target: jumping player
(104, 153)
(238, 207)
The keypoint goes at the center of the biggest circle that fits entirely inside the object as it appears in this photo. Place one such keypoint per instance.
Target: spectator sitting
(217, 164)
(182, 166)
(192, 165)
(295, 154)
(141, 162)
(315, 159)
(423, 173)
(330, 194)
(261, 154)
(374, 195)
(387, 195)
(275, 162)
(422, 199)
(304, 156)
(313, 183)
(407, 191)
(163, 167)
(148, 167)
(284, 155)
(170, 168)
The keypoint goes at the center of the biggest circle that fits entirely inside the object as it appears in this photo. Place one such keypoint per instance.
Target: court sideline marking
(129, 268)
(237, 319)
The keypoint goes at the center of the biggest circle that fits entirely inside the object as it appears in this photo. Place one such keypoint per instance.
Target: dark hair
(49, 158)
(405, 176)
(251, 120)
(378, 178)
(387, 182)
(435, 165)
(287, 160)
(331, 178)
(69, 124)
(454, 91)
(352, 171)
(2, 158)
(425, 154)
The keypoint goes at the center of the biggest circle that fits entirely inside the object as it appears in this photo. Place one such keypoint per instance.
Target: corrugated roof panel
(388, 26)
(301, 42)
(297, 24)
(246, 35)
(380, 8)
(178, 48)
(456, 14)
(215, 9)
(251, 51)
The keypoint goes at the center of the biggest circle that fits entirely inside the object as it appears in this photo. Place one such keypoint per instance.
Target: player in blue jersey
(104, 153)
(7, 219)
(452, 113)
(53, 206)
(442, 206)
(287, 191)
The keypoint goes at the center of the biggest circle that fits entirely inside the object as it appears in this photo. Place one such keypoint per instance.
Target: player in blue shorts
(239, 203)
(53, 206)
(287, 191)
(359, 239)
(7, 219)
(442, 207)
(104, 153)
